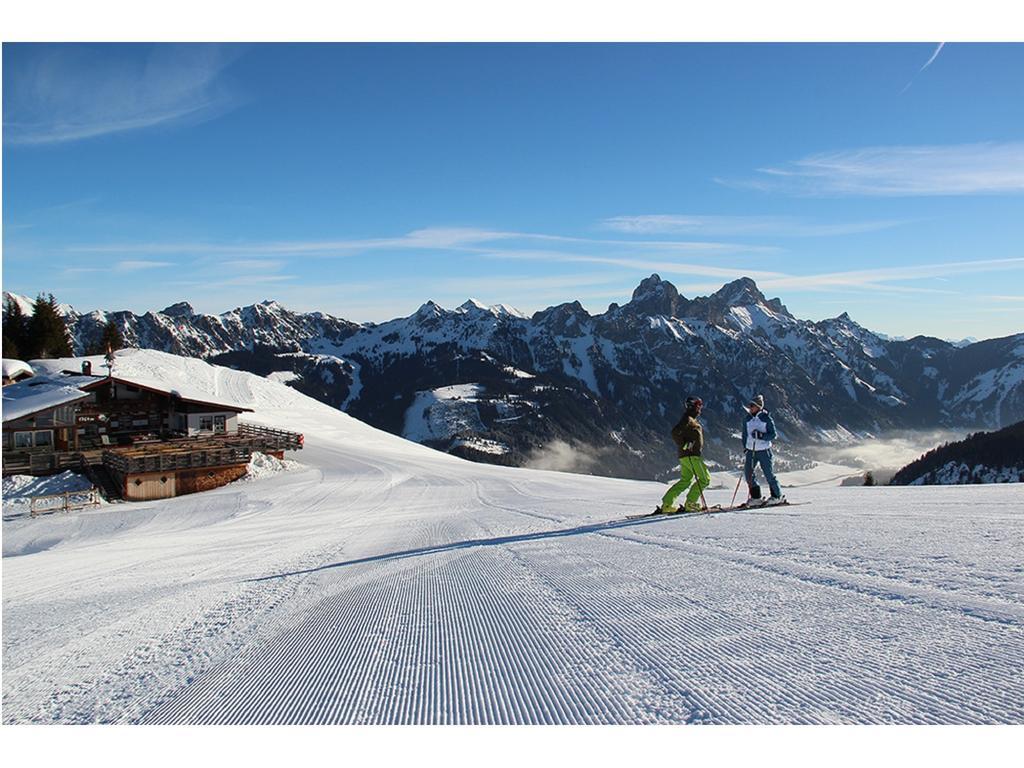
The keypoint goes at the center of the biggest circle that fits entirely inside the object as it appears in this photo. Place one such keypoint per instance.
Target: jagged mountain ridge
(493, 384)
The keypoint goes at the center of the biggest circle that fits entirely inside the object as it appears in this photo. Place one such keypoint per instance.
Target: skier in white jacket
(757, 433)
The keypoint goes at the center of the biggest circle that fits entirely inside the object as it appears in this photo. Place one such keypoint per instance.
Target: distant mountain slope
(985, 457)
(603, 389)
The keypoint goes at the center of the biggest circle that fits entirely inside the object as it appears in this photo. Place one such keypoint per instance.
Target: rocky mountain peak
(739, 293)
(655, 296)
(473, 305)
(181, 309)
(428, 311)
(565, 319)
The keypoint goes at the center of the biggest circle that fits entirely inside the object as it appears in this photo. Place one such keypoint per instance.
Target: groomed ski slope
(388, 583)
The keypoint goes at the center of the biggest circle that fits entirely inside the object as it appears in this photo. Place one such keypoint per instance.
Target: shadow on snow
(490, 542)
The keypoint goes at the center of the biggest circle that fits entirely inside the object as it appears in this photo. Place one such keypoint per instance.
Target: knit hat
(757, 400)
(693, 402)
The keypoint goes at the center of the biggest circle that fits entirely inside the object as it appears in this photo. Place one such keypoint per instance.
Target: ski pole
(738, 481)
(743, 473)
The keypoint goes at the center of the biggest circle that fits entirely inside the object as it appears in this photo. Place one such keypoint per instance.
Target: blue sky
(886, 180)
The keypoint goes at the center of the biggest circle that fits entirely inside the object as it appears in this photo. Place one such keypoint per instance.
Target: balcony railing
(40, 461)
(158, 456)
(164, 459)
(270, 438)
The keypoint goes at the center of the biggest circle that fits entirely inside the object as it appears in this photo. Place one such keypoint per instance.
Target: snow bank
(14, 367)
(261, 465)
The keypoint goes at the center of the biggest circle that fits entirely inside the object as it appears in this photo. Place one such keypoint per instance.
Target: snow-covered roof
(13, 368)
(41, 393)
(49, 390)
(184, 394)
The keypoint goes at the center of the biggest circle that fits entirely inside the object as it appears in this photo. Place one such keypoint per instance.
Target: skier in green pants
(689, 438)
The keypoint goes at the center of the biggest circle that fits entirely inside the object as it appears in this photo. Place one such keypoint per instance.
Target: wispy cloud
(250, 280)
(908, 171)
(642, 265)
(138, 265)
(256, 264)
(878, 278)
(425, 239)
(434, 238)
(71, 92)
(780, 226)
(927, 64)
(933, 57)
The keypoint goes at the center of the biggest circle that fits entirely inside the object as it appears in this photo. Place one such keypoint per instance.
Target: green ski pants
(691, 468)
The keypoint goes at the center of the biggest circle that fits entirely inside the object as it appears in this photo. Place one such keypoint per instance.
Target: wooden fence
(63, 502)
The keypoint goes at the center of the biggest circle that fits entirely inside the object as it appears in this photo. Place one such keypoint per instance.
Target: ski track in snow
(389, 584)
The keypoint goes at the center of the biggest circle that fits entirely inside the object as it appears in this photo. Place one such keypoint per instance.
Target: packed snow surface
(388, 583)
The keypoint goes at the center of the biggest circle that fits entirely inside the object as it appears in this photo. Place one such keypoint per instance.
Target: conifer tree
(15, 326)
(111, 338)
(48, 333)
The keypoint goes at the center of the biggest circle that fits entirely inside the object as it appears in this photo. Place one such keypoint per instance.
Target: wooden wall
(163, 485)
(205, 478)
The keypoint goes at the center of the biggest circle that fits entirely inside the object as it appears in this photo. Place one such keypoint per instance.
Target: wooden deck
(158, 455)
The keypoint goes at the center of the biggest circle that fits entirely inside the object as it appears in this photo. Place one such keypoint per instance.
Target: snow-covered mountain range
(598, 393)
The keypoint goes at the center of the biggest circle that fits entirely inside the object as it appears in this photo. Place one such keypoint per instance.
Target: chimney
(86, 368)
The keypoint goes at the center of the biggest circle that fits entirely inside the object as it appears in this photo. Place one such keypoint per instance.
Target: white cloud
(933, 57)
(642, 265)
(257, 264)
(875, 279)
(137, 266)
(63, 93)
(785, 226)
(927, 64)
(465, 239)
(426, 239)
(907, 171)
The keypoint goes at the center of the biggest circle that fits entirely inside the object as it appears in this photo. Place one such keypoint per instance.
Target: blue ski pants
(764, 458)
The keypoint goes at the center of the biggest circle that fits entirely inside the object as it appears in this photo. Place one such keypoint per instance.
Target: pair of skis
(716, 508)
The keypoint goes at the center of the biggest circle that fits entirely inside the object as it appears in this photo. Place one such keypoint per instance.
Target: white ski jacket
(758, 432)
